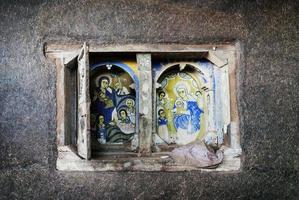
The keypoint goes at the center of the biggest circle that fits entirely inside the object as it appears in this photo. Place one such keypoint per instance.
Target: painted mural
(113, 106)
(181, 104)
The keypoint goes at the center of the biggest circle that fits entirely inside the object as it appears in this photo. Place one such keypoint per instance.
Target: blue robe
(102, 133)
(162, 121)
(101, 106)
(182, 120)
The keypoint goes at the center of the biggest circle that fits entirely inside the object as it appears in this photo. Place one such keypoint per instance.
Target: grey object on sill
(197, 155)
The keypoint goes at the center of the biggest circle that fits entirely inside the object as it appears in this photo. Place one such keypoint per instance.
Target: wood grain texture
(83, 141)
(145, 104)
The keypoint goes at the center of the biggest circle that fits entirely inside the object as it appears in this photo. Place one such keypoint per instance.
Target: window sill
(68, 160)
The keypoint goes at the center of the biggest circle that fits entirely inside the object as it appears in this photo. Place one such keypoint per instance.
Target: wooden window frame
(66, 56)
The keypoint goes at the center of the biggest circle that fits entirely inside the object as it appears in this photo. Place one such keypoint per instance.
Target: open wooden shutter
(83, 128)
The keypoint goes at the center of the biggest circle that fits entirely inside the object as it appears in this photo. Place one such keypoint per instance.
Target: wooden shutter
(83, 127)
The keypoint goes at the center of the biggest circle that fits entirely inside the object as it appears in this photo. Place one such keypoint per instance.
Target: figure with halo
(104, 98)
(186, 114)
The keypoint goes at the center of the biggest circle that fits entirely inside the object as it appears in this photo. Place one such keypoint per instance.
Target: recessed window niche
(192, 100)
(141, 107)
(114, 99)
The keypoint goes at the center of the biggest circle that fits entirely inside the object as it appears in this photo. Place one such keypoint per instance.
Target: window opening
(181, 104)
(113, 108)
(120, 102)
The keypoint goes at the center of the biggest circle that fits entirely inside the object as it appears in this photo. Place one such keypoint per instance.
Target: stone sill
(68, 160)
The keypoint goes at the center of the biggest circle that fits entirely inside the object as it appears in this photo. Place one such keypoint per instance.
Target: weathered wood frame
(222, 55)
(83, 105)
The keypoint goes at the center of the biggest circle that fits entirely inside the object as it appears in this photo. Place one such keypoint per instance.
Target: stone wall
(268, 94)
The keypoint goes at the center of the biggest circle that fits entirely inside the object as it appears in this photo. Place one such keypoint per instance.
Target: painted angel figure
(163, 101)
(101, 130)
(130, 103)
(199, 98)
(162, 126)
(124, 122)
(120, 89)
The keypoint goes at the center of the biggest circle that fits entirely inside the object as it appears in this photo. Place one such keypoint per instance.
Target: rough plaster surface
(268, 94)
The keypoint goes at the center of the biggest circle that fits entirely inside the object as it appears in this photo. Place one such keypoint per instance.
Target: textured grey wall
(268, 99)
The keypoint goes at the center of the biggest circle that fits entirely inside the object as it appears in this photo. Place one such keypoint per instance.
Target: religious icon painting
(113, 102)
(182, 102)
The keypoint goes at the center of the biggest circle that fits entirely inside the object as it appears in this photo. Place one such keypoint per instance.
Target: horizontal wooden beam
(57, 50)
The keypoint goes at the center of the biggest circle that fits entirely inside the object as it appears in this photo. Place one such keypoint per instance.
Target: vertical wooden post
(234, 114)
(60, 102)
(145, 103)
(83, 141)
